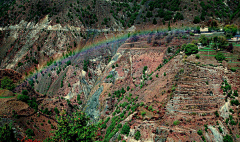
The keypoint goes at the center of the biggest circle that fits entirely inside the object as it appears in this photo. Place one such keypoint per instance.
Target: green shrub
(233, 70)
(23, 98)
(143, 113)
(191, 34)
(104, 126)
(122, 115)
(191, 49)
(25, 92)
(154, 21)
(137, 135)
(232, 122)
(85, 65)
(125, 129)
(220, 57)
(178, 16)
(235, 93)
(29, 132)
(56, 110)
(206, 127)
(177, 122)
(150, 108)
(200, 132)
(232, 29)
(45, 111)
(119, 137)
(74, 128)
(128, 88)
(7, 83)
(196, 20)
(20, 64)
(227, 138)
(197, 56)
(220, 129)
(89, 74)
(234, 102)
(123, 91)
(216, 113)
(204, 40)
(7, 134)
(119, 125)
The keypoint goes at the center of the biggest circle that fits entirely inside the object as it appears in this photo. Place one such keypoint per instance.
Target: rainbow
(94, 46)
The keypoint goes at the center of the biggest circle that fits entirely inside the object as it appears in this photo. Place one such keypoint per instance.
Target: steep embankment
(145, 82)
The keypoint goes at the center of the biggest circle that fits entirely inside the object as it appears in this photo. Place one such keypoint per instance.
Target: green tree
(7, 83)
(191, 49)
(125, 129)
(196, 20)
(227, 138)
(230, 29)
(24, 92)
(75, 128)
(7, 134)
(56, 110)
(154, 21)
(178, 16)
(169, 27)
(176, 122)
(204, 40)
(23, 98)
(29, 132)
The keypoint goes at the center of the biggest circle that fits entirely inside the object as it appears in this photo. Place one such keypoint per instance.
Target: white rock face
(131, 29)
(224, 110)
(217, 136)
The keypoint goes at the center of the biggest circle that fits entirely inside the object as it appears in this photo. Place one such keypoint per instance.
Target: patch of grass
(6, 97)
(143, 113)
(207, 55)
(233, 69)
(237, 136)
(206, 50)
(177, 122)
(235, 62)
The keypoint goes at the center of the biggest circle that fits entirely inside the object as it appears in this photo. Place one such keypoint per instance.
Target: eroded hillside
(146, 82)
(116, 62)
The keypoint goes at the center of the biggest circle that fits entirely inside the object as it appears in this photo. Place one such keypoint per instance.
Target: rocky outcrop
(92, 105)
(217, 136)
